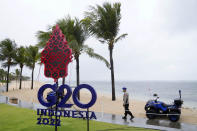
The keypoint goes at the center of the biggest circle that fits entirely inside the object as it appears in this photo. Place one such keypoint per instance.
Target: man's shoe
(124, 117)
(131, 117)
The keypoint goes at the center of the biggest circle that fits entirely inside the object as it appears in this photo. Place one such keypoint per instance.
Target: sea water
(144, 90)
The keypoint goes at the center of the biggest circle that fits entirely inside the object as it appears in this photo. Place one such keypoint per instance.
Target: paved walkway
(160, 124)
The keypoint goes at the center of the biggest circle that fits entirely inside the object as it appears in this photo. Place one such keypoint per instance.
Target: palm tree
(17, 73)
(12, 76)
(5, 76)
(103, 22)
(21, 59)
(76, 35)
(33, 56)
(7, 53)
(2, 76)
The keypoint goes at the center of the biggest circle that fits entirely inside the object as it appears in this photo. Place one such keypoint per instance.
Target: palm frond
(33, 56)
(121, 37)
(43, 37)
(102, 41)
(2, 57)
(6, 64)
(7, 52)
(75, 46)
(90, 52)
(20, 56)
(104, 20)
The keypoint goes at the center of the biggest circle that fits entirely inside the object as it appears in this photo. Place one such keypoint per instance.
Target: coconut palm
(33, 55)
(12, 76)
(2, 76)
(17, 73)
(103, 22)
(20, 59)
(76, 35)
(7, 53)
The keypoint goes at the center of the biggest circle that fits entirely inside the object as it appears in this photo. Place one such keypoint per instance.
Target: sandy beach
(103, 103)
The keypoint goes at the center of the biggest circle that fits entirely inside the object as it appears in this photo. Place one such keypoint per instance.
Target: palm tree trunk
(112, 74)
(77, 71)
(8, 77)
(21, 78)
(32, 78)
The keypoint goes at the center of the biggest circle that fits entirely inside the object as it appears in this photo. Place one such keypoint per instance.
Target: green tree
(2, 76)
(103, 22)
(76, 35)
(12, 76)
(33, 55)
(7, 53)
(17, 74)
(21, 59)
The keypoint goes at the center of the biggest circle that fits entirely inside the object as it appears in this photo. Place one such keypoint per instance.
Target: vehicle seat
(166, 105)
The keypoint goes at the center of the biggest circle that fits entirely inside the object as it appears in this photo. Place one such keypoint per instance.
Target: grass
(19, 119)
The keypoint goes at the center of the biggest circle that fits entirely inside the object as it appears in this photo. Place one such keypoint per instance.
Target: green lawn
(19, 119)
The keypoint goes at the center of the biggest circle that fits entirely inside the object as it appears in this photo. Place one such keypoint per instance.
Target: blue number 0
(52, 99)
(76, 100)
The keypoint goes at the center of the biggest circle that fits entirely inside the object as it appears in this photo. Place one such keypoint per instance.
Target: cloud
(161, 41)
(180, 15)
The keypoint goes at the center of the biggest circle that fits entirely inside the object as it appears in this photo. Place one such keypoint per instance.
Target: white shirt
(125, 98)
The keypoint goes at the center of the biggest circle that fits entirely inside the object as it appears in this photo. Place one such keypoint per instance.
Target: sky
(161, 42)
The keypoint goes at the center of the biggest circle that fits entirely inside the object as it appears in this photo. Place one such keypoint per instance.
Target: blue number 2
(66, 97)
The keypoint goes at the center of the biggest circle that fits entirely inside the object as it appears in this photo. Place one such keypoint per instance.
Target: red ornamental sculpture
(56, 55)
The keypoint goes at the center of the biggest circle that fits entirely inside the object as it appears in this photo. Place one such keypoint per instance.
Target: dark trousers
(127, 111)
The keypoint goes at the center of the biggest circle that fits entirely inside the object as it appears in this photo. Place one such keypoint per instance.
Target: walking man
(126, 104)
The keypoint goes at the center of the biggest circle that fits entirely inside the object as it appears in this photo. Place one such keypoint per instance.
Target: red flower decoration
(56, 55)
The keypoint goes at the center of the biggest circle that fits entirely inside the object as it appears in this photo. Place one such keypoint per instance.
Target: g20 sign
(56, 56)
(53, 97)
